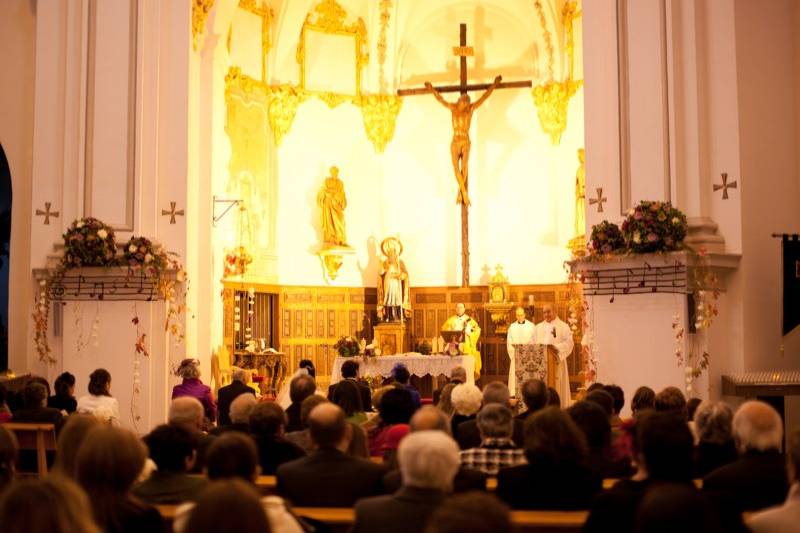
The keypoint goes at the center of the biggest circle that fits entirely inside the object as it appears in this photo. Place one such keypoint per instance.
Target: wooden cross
(47, 213)
(599, 200)
(172, 212)
(463, 51)
(725, 186)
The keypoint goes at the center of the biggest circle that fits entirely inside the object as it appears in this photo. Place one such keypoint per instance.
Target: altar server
(522, 331)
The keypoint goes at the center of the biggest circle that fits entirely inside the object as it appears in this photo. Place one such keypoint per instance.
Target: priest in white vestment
(520, 332)
(557, 333)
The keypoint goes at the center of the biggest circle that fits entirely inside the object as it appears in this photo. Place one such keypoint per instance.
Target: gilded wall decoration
(552, 103)
(200, 10)
(260, 8)
(385, 6)
(568, 15)
(548, 39)
(282, 108)
(380, 117)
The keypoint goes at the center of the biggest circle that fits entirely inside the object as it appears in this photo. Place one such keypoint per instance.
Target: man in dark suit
(228, 393)
(267, 424)
(467, 433)
(300, 388)
(34, 397)
(329, 477)
(535, 396)
(428, 463)
(350, 372)
(758, 478)
(174, 451)
(239, 413)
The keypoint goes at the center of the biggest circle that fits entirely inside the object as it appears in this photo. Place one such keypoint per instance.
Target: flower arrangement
(347, 346)
(89, 242)
(606, 238)
(140, 252)
(237, 261)
(654, 227)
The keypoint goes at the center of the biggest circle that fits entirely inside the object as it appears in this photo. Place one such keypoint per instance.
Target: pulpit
(391, 338)
(535, 361)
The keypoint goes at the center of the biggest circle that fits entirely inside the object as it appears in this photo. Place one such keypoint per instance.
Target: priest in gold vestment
(332, 202)
(461, 321)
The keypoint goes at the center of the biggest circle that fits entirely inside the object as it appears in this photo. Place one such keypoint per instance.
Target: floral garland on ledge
(91, 243)
(657, 227)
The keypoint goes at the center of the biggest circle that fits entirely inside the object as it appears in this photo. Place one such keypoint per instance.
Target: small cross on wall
(725, 186)
(599, 200)
(172, 212)
(47, 213)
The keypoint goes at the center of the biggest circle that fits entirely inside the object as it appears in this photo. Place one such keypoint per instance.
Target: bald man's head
(430, 418)
(328, 427)
(548, 313)
(757, 426)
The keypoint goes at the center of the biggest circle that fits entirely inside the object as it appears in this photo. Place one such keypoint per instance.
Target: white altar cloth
(418, 365)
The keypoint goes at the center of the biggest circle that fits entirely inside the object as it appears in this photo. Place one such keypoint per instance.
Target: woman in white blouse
(99, 401)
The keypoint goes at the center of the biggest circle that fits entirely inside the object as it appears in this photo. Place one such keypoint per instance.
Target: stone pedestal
(392, 338)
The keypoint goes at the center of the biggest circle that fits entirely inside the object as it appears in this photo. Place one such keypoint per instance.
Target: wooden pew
(40, 438)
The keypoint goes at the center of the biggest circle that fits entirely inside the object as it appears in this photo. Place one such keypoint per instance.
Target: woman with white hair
(189, 370)
(466, 400)
(714, 430)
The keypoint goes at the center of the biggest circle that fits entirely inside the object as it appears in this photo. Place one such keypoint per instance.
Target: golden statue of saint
(332, 202)
(459, 147)
(393, 289)
(580, 195)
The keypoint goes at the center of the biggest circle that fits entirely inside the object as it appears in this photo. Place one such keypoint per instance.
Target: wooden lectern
(535, 361)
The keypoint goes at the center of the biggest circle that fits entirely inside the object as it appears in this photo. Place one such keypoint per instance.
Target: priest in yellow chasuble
(461, 321)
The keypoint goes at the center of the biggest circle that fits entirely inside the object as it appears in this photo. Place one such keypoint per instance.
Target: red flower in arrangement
(89, 242)
(606, 238)
(654, 227)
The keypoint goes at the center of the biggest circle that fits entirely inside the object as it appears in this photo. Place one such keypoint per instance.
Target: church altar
(418, 365)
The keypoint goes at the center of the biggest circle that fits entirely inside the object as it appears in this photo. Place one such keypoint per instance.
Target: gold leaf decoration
(552, 101)
(282, 108)
(548, 39)
(385, 6)
(380, 117)
(200, 10)
(332, 99)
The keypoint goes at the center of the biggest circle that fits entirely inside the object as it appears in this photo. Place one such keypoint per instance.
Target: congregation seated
(594, 423)
(349, 372)
(475, 512)
(5, 411)
(238, 415)
(302, 437)
(602, 398)
(192, 387)
(187, 412)
(108, 463)
(458, 375)
(495, 393)
(671, 507)
(644, 399)
(428, 462)
(553, 398)
(714, 434)
(174, 451)
(227, 394)
(784, 517)
(99, 402)
(35, 410)
(401, 377)
(395, 408)
(64, 397)
(618, 397)
(535, 397)
(70, 439)
(466, 400)
(229, 505)
(267, 426)
(445, 401)
(429, 418)
(556, 476)
(9, 450)
(347, 395)
(671, 400)
(300, 388)
(757, 479)
(329, 477)
(233, 456)
(52, 504)
(497, 449)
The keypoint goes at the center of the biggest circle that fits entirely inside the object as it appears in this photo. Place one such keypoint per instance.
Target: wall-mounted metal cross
(47, 213)
(172, 212)
(599, 200)
(725, 186)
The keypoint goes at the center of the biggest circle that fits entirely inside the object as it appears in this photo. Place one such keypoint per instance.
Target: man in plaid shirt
(497, 450)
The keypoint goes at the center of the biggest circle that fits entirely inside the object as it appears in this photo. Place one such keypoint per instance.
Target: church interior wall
(18, 40)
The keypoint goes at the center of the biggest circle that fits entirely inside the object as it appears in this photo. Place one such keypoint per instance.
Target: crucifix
(462, 117)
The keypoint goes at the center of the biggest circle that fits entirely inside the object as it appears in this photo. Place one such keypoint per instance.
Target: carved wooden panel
(297, 297)
(330, 298)
(320, 323)
(431, 326)
(286, 331)
(298, 323)
(309, 324)
(331, 323)
(430, 298)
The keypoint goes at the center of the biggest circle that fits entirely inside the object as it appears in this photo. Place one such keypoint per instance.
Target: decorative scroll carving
(282, 108)
(552, 102)
(200, 10)
(380, 117)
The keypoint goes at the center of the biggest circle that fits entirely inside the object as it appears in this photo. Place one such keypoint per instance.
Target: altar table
(418, 365)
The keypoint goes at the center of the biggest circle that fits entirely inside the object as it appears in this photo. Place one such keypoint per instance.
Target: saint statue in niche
(393, 300)
(580, 194)
(332, 202)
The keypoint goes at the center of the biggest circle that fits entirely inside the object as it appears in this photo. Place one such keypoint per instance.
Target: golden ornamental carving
(568, 15)
(385, 6)
(261, 9)
(244, 85)
(578, 243)
(552, 103)
(548, 39)
(332, 99)
(200, 10)
(282, 108)
(380, 117)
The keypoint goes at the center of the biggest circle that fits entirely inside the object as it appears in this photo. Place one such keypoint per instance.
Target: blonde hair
(53, 504)
(466, 399)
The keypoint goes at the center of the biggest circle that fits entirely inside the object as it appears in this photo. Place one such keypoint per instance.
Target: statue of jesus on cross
(459, 147)
(462, 117)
